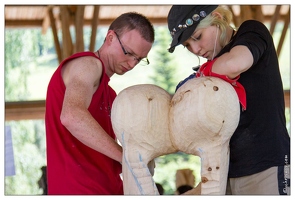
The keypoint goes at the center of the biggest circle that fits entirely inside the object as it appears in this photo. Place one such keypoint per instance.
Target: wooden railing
(34, 110)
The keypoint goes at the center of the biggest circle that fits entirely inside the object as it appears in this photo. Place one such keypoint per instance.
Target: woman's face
(204, 41)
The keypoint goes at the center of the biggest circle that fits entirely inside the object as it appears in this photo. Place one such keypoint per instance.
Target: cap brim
(181, 37)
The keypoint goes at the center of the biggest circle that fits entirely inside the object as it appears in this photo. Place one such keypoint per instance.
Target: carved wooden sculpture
(199, 119)
(140, 117)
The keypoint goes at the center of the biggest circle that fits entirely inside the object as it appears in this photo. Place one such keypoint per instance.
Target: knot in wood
(215, 88)
(209, 169)
(204, 180)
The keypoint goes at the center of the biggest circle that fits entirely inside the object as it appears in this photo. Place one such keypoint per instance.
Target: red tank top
(72, 167)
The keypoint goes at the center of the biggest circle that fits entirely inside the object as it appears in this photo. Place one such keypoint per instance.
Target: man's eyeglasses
(144, 61)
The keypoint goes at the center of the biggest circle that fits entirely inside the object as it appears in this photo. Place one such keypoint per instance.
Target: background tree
(21, 51)
(164, 66)
(16, 63)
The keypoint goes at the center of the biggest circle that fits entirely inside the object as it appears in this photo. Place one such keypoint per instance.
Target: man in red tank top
(83, 156)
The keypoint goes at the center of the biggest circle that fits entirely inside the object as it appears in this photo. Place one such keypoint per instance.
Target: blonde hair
(223, 22)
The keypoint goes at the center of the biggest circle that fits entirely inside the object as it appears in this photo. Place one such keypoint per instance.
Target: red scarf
(206, 70)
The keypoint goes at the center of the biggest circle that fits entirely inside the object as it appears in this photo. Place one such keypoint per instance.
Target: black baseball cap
(184, 19)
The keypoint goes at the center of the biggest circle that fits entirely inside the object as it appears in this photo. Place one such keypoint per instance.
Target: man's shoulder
(85, 58)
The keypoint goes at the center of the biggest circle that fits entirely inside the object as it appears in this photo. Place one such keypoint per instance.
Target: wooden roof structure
(61, 17)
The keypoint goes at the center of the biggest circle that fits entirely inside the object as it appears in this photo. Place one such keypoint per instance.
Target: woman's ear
(217, 14)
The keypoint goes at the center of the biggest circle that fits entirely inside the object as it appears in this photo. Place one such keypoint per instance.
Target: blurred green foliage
(164, 64)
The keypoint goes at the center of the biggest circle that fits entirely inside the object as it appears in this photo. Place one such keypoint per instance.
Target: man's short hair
(133, 20)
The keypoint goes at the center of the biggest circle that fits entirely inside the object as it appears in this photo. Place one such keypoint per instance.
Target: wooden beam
(27, 110)
(24, 110)
(45, 24)
(55, 37)
(282, 38)
(102, 22)
(94, 28)
(274, 19)
(287, 98)
(67, 44)
(257, 13)
(235, 18)
(16, 23)
(245, 13)
(79, 18)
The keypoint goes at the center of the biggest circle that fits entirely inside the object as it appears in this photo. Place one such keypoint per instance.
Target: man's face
(130, 49)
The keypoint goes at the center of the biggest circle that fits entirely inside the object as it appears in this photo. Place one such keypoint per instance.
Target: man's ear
(110, 36)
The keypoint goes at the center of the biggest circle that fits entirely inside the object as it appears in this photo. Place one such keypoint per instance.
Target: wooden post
(235, 19)
(257, 13)
(286, 24)
(54, 32)
(94, 27)
(79, 20)
(245, 13)
(274, 19)
(67, 45)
